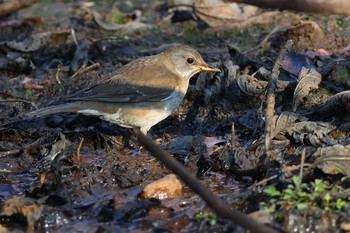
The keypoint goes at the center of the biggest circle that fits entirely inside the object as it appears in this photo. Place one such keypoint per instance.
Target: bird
(141, 93)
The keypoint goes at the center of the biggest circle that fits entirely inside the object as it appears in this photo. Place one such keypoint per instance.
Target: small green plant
(116, 17)
(192, 34)
(209, 218)
(303, 195)
(340, 74)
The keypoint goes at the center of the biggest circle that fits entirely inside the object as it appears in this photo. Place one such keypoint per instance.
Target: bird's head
(185, 61)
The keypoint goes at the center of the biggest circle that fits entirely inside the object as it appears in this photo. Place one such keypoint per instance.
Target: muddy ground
(69, 172)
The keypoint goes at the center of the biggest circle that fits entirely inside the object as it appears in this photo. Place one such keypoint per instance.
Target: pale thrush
(141, 93)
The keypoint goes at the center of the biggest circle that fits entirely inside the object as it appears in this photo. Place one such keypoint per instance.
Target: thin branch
(220, 207)
(8, 7)
(85, 69)
(319, 6)
(270, 97)
(265, 40)
(78, 152)
(302, 162)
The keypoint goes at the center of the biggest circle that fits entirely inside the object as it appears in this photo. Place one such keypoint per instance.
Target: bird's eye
(190, 60)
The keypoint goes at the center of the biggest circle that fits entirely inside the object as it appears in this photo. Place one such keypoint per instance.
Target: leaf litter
(72, 186)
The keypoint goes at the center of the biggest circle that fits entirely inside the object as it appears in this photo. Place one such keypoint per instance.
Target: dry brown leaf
(254, 87)
(290, 125)
(127, 28)
(39, 40)
(213, 144)
(311, 133)
(26, 207)
(217, 13)
(282, 124)
(333, 159)
(309, 79)
(285, 120)
(336, 104)
(251, 85)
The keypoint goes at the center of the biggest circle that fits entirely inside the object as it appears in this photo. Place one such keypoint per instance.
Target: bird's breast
(173, 101)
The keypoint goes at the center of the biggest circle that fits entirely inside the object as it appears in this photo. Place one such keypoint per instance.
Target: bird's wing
(112, 92)
(123, 86)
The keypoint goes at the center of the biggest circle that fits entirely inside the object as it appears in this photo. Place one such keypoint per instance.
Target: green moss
(343, 22)
(191, 33)
(325, 92)
(341, 74)
(116, 17)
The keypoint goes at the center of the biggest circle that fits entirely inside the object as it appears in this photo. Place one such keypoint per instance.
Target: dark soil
(70, 172)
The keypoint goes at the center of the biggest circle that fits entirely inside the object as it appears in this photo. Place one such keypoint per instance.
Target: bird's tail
(67, 107)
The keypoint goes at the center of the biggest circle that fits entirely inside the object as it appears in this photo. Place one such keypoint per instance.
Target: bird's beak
(207, 68)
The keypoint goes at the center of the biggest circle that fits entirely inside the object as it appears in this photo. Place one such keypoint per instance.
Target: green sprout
(209, 218)
(304, 195)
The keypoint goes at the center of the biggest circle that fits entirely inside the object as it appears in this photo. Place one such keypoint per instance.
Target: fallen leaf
(39, 40)
(251, 85)
(333, 159)
(27, 207)
(217, 13)
(339, 103)
(309, 79)
(213, 144)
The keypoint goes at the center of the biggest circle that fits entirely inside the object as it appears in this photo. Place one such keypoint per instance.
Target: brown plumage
(141, 93)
